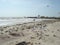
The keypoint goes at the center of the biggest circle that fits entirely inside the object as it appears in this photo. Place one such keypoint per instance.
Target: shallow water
(15, 21)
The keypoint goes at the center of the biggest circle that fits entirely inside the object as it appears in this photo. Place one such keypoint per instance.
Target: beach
(45, 32)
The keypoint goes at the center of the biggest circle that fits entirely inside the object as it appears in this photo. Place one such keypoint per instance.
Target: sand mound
(37, 33)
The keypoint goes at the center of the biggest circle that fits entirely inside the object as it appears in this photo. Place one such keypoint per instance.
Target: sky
(20, 8)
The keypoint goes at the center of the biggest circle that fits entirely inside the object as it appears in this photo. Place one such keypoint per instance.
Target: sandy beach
(46, 32)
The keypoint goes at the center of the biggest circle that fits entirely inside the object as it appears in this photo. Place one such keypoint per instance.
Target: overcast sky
(16, 8)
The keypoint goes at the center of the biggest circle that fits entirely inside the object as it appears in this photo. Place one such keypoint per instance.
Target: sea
(4, 22)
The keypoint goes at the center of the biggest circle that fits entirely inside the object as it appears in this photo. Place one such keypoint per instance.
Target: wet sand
(46, 32)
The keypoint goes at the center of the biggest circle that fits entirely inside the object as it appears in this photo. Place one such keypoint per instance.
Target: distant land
(45, 17)
(11, 17)
(38, 17)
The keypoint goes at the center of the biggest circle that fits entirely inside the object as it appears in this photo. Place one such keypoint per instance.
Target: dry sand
(46, 32)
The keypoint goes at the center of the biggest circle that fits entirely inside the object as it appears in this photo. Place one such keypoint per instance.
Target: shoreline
(29, 22)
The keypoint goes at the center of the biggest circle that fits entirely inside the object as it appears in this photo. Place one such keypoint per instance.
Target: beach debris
(22, 34)
(40, 38)
(31, 43)
(6, 31)
(52, 31)
(1, 29)
(34, 19)
(4, 36)
(54, 35)
(57, 29)
(2, 33)
(46, 35)
(22, 43)
(32, 37)
(44, 25)
(39, 24)
(22, 28)
(14, 34)
(28, 27)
